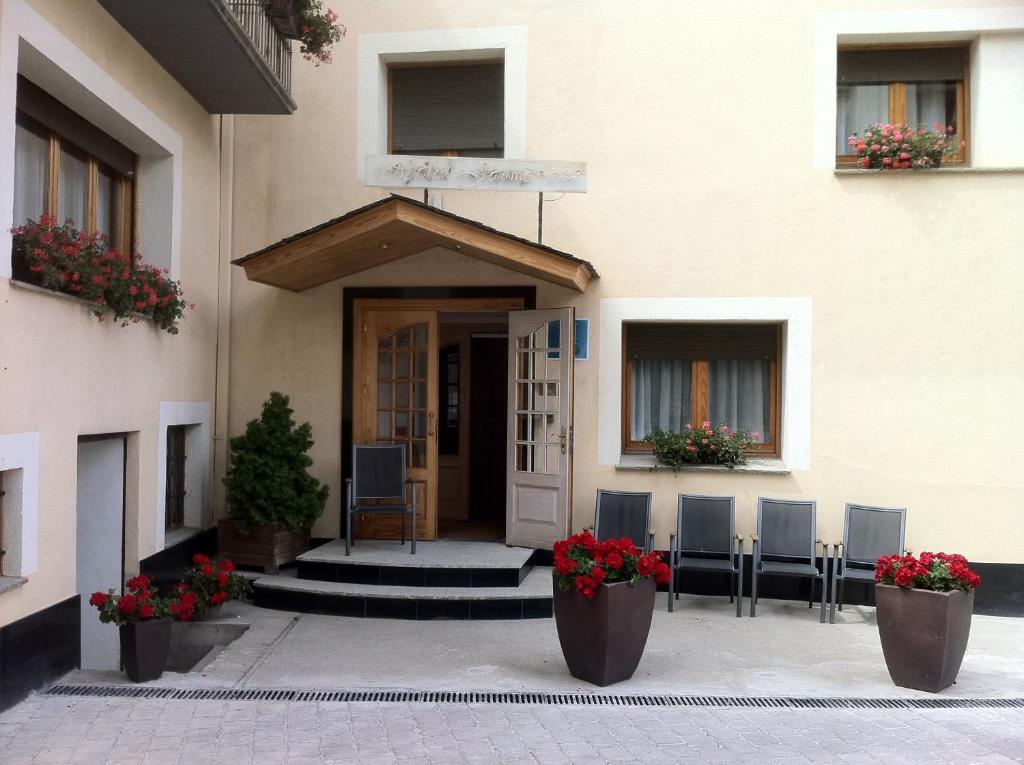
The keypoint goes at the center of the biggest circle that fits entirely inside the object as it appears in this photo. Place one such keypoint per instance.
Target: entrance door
(540, 364)
(396, 354)
(100, 540)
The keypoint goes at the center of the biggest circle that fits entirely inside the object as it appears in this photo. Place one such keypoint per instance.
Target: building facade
(727, 262)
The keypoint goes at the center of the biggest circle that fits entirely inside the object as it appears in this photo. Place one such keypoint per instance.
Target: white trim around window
(793, 313)
(29, 45)
(996, 96)
(19, 452)
(198, 465)
(377, 50)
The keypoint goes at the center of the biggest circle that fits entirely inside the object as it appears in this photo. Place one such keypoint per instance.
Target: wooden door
(540, 366)
(396, 354)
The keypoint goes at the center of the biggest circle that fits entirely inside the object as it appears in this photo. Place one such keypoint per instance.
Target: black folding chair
(624, 514)
(868, 534)
(378, 473)
(785, 545)
(705, 540)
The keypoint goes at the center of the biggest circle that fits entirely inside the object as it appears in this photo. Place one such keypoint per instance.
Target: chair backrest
(786, 528)
(623, 514)
(871, 532)
(378, 471)
(705, 524)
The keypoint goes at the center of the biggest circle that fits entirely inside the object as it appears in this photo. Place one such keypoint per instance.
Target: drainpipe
(225, 247)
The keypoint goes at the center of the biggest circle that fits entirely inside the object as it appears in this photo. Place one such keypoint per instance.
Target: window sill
(11, 582)
(929, 171)
(18, 284)
(178, 536)
(646, 462)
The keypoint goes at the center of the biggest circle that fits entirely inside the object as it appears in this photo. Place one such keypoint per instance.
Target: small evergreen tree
(267, 477)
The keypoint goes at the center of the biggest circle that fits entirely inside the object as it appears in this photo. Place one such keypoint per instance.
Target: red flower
(208, 569)
(565, 566)
(199, 559)
(140, 582)
(218, 597)
(614, 561)
(226, 565)
(222, 579)
(146, 611)
(662, 573)
(126, 605)
(99, 599)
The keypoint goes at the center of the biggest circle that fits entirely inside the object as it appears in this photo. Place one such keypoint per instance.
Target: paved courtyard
(700, 650)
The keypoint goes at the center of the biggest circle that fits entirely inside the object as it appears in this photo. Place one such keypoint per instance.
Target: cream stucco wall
(64, 374)
(698, 127)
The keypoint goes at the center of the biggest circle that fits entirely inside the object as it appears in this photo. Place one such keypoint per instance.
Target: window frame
(175, 491)
(123, 236)
(431, 64)
(898, 95)
(699, 389)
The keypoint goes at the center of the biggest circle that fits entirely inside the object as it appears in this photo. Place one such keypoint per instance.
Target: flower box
(268, 546)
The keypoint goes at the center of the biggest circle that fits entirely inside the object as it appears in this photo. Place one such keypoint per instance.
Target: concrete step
(444, 563)
(530, 600)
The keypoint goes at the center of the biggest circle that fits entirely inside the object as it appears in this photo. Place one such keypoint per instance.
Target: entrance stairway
(443, 580)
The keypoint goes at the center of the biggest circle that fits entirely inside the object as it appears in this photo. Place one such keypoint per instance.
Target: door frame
(500, 298)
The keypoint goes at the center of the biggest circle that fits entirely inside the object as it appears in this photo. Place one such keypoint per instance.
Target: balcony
(226, 53)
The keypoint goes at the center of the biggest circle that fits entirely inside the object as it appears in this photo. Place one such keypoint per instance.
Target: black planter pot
(603, 637)
(144, 647)
(924, 634)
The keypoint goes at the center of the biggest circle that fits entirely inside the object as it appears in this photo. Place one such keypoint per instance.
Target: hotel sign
(399, 170)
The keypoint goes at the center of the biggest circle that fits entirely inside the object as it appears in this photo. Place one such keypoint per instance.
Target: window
(449, 109)
(174, 490)
(67, 168)
(922, 86)
(683, 374)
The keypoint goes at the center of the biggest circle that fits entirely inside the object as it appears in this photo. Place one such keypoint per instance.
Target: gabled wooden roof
(395, 228)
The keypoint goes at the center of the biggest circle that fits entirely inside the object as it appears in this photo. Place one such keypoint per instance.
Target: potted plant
(143, 626)
(317, 29)
(706, 445)
(603, 604)
(64, 259)
(924, 610)
(900, 147)
(273, 500)
(212, 584)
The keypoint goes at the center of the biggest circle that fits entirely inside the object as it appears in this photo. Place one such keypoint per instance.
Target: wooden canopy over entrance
(395, 228)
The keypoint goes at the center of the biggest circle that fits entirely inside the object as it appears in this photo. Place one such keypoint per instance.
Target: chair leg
(348, 533)
(739, 586)
(842, 589)
(824, 592)
(413, 545)
(732, 588)
(671, 589)
(753, 591)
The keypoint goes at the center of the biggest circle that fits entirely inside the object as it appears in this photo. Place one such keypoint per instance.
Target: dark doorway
(488, 411)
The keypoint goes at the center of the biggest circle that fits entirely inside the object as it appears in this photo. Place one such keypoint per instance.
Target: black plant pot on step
(144, 647)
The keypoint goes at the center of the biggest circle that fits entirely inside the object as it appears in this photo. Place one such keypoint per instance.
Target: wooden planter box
(268, 547)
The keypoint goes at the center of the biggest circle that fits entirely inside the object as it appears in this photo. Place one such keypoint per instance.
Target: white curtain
(739, 395)
(105, 204)
(926, 104)
(73, 176)
(859, 107)
(661, 396)
(29, 175)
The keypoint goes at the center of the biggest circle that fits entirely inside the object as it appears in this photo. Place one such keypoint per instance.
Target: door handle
(563, 440)
(430, 424)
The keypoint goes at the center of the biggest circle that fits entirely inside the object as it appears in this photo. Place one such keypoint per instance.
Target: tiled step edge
(531, 600)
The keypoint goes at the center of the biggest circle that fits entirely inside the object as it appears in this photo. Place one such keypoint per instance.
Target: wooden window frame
(122, 234)
(898, 100)
(699, 396)
(392, 66)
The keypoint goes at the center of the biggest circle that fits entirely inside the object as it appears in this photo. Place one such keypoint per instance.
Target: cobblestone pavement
(51, 729)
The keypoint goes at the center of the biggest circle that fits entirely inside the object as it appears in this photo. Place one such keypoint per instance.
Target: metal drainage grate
(523, 697)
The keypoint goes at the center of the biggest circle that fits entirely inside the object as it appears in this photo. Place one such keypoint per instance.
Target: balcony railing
(273, 47)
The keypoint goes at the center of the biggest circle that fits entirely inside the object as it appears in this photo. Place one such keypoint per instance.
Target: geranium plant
(213, 583)
(140, 603)
(318, 31)
(901, 147)
(938, 572)
(85, 265)
(585, 563)
(705, 445)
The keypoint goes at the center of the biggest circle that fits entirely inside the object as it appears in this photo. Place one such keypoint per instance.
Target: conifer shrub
(268, 479)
